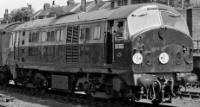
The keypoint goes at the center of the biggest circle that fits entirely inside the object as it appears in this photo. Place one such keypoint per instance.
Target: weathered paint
(153, 42)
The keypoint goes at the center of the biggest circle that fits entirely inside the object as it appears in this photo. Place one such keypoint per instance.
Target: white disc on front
(137, 58)
(164, 58)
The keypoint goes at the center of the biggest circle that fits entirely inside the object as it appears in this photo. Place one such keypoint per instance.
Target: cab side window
(82, 36)
(51, 36)
(85, 34)
(118, 30)
(91, 33)
(59, 34)
(44, 36)
(97, 33)
(34, 37)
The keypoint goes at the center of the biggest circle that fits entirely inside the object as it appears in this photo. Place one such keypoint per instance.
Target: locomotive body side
(5, 56)
(130, 52)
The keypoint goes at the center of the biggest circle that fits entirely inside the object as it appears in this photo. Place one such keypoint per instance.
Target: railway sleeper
(192, 95)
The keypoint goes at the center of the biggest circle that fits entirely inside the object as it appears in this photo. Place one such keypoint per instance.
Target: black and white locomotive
(141, 51)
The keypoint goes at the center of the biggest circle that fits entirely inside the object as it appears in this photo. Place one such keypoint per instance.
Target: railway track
(84, 101)
(191, 91)
(192, 95)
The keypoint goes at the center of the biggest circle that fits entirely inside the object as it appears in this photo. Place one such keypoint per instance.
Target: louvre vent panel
(75, 35)
(72, 49)
(69, 34)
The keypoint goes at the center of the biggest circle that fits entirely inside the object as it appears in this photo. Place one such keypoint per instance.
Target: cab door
(109, 43)
(122, 43)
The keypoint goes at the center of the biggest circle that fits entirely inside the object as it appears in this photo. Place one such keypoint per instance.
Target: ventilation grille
(72, 48)
(69, 34)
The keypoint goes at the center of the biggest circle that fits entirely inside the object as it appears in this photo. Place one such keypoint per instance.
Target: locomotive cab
(161, 49)
(161, 34)
(154, 41)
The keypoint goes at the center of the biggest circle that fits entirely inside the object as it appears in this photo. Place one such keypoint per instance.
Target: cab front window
(143, 19)
(153, 17)
(174, 20)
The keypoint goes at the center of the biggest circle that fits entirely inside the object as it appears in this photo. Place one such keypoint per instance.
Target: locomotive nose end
(162, 50)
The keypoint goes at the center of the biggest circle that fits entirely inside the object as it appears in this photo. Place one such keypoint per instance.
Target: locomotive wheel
(3, 80)
(87, 88)
(158, 98)
(83, 85)
(40, 83)
(137, 95)
(109, 90)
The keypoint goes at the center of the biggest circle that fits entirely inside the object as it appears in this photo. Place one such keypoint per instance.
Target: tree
(22, 14)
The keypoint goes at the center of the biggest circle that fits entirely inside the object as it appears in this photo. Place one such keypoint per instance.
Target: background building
(173, 3)
(195, 3)
(49, 10)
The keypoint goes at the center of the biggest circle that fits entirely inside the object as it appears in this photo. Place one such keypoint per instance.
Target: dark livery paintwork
(99, 53)
(155, 41)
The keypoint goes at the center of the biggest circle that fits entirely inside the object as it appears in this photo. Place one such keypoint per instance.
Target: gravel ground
(177, 102)
(21, 100)
(186, 102)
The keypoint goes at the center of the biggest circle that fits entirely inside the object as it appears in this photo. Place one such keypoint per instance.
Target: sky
(36, 4)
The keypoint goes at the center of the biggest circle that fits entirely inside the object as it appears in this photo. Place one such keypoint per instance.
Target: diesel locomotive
(141, 51)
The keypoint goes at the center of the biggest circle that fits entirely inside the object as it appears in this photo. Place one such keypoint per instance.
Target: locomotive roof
(35, 23)
(8, 27)
(108, 14)
(103, 14)
(3, 26)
